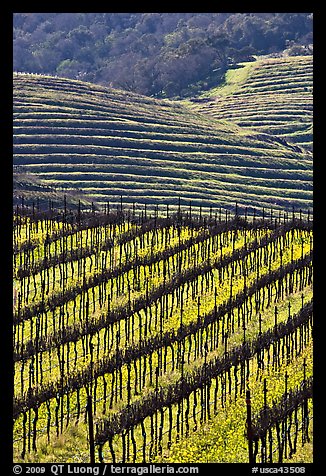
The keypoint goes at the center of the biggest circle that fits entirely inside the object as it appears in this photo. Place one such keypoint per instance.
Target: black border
(6, 387)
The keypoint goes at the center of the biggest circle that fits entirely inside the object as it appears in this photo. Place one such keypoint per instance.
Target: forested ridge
(159, 54)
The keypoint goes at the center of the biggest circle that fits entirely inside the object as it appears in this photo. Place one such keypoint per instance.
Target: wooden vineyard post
(285, 421)
(249, 428)
(90, 429)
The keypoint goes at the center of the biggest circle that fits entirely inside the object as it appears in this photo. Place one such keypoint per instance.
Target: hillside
(29, 189)
(160, 328)
(160, 54)
(270, 95)
(109, 143)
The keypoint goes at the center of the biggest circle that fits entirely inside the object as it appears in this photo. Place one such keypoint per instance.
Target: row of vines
(163, 323)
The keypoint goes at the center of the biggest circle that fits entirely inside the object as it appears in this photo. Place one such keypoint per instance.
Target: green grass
(109, 143)
(222, 440)
(233, 79)
(269, 89)
(71, 445)
(219, 444)
(35, 190)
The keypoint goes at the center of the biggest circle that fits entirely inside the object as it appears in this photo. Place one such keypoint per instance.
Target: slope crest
(109, 143)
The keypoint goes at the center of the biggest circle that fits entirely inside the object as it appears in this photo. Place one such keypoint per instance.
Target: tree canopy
(159, 54)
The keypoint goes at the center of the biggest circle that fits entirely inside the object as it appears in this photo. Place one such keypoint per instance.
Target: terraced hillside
(109, 143)
(29, 189)
(270, 95)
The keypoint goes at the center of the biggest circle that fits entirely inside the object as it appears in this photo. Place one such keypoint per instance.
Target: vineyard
(178, 335)
(105, 142)
(270, 96)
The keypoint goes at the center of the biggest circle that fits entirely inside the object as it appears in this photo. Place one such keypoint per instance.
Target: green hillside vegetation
(109, 143)
(156, 54)
(30, 189)
(165, 324)
(270, 95)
